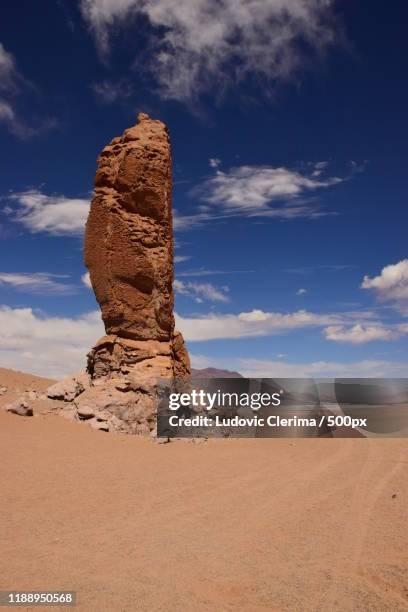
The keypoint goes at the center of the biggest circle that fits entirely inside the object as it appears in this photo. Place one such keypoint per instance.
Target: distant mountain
(214, 373)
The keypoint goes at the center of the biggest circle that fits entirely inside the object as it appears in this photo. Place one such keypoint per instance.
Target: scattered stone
(20, 407)
(3, 391)
(84, 412)
(162, 440)
(66, 390)
(394, 496)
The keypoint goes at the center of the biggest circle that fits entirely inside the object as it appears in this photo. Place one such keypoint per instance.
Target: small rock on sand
(20, 407)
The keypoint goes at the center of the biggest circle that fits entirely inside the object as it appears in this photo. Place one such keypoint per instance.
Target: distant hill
(214, 373)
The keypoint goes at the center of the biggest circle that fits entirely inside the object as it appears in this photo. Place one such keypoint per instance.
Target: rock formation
(129, 254)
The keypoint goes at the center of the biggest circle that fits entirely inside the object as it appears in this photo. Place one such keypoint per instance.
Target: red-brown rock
(129, 254)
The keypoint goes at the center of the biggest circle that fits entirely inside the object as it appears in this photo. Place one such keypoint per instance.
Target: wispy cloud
(257, 191)
(181, 258)
(182, 222)
(51, 214)
(391, 285)
(201, 46)
(37, 282)
(301, 291)
(252, 189)
(201, 292)
(313, 269)
(319, 167)
(12, 86)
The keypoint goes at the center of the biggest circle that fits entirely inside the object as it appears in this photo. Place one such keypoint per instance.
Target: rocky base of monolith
(128, 378)
(124, 383)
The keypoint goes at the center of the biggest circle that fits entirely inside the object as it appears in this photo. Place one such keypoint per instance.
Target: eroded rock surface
(129, 254)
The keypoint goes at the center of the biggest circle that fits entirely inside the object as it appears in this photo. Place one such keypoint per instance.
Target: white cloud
(301, 291)
(55, 215)
(348, 327)
(185, 222)
(86, 279)
(57, 346)
(256, 191)
(44, 345)
(251, 189)
(201, 292)
(37, 282)
(250, 324)
(207, 45)
(391, 285)
(214, 162)
(360, 334)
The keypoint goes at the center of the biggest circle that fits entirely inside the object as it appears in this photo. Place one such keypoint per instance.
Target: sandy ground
(249, 525)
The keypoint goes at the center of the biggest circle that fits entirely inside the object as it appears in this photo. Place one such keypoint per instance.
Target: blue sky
(289, 135)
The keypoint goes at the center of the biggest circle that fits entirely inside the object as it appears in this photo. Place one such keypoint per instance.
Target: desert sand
(268, 524)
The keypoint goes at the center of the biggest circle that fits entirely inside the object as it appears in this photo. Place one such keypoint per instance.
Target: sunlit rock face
(129, 254)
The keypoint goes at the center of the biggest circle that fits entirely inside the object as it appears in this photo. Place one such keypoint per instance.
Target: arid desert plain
(129, 524)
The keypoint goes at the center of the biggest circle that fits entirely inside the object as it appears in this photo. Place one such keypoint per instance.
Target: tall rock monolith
(129, 255)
